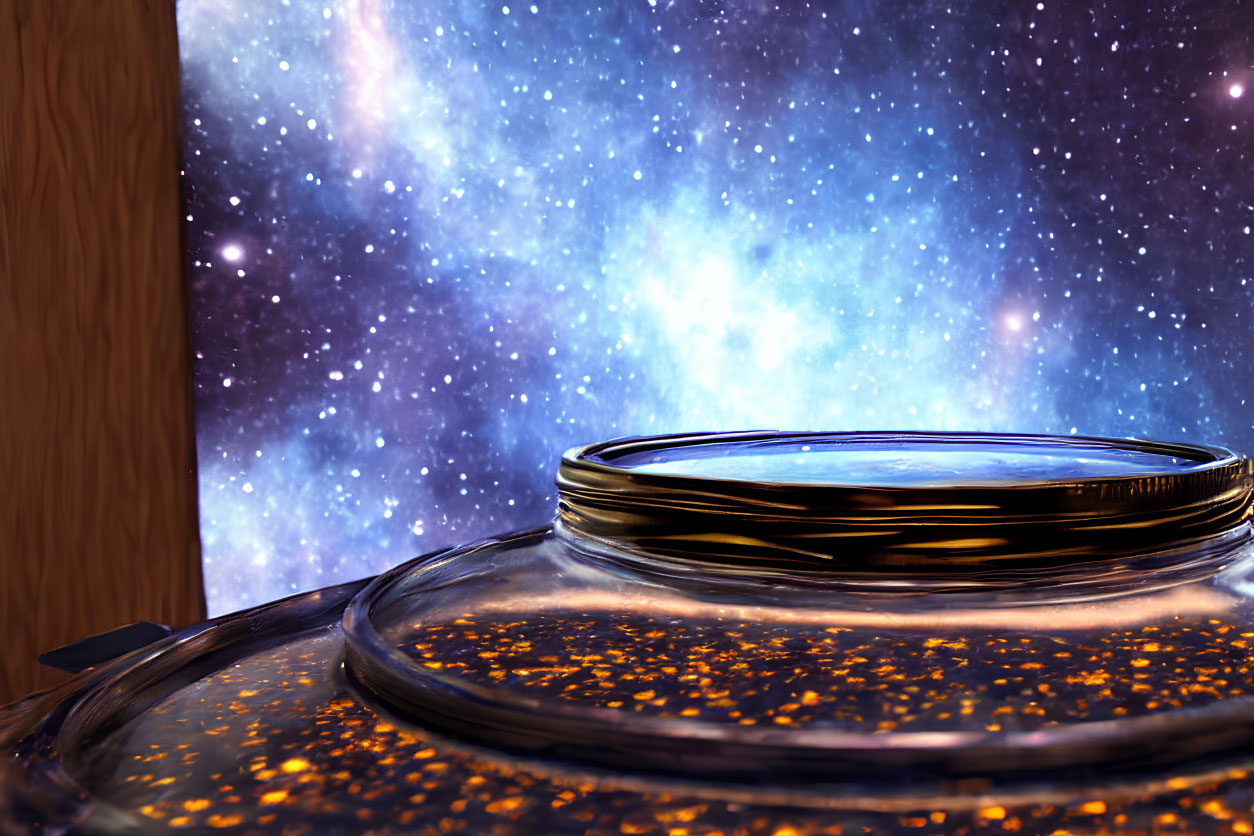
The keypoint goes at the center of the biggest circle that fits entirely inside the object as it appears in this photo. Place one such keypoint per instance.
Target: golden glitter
(356, 766)
(505, 805)
(224, 820)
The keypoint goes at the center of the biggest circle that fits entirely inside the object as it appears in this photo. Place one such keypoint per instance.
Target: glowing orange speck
(1216, 809)
(218, 820)
(505, 805)
(196, 804)
(992, 813)
(1093, 807)
(294, 765)
(275, 797)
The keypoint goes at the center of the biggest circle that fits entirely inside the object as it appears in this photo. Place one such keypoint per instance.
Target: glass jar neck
(1099, 533)
(1075, 582)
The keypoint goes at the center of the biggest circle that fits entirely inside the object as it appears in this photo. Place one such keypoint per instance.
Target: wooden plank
(97, 500)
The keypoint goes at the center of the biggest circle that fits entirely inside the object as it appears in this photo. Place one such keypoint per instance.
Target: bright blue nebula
(434, 244)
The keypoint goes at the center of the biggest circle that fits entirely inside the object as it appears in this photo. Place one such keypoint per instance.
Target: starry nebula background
(432, 245)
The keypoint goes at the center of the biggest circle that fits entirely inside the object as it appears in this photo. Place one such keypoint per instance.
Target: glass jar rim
(661, 495)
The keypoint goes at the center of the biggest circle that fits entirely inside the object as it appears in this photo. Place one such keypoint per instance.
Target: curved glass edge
(640, 454)
(834, 527)
(605, 738)
(47, 792)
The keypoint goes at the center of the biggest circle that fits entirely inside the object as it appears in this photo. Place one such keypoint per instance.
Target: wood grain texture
(97, 504)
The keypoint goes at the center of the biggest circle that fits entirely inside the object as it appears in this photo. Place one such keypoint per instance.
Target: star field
(433, 245)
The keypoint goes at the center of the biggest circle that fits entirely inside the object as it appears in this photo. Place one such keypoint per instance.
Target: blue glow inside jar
(807, 613)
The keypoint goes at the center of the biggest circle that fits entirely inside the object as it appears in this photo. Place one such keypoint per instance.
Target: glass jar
(805, 606)
(730, 633)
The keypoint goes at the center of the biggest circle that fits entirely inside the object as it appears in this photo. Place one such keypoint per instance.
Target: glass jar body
(555, 644)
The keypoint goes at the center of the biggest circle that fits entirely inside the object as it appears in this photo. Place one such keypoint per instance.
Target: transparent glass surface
(890, 468)
(887, 464)
(274, 739)
(550, 626)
